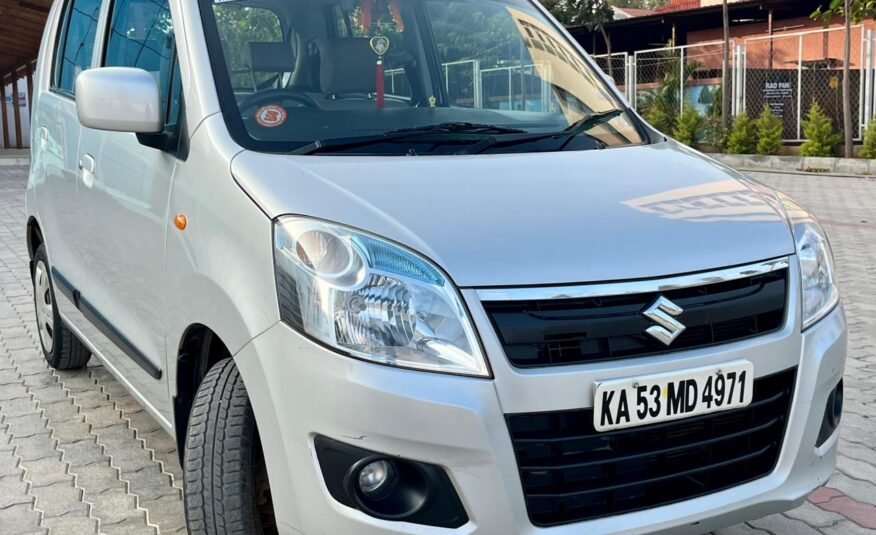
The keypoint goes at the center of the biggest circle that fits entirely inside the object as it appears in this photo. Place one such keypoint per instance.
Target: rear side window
(76, 43)
(140, 35)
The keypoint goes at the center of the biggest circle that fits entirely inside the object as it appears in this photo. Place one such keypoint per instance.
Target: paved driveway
(79, 455)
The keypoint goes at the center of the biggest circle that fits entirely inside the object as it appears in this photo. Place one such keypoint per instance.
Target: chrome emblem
(663, 313)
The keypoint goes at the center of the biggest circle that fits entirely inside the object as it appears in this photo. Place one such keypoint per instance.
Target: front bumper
(300, 390)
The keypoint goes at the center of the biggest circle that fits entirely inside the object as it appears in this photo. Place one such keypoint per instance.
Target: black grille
(572, 473)
(571, 331)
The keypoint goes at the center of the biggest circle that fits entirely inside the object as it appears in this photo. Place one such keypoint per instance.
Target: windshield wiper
(453, 129)
(461, 128)
(578, 128)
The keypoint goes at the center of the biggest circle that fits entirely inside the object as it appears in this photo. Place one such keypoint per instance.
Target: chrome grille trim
(583, 291)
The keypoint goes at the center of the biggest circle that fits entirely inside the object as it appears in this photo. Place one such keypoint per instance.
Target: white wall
(10, 114)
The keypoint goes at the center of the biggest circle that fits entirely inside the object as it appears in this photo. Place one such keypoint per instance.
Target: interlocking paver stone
(77, 450)
(56, 474)
(21, 519)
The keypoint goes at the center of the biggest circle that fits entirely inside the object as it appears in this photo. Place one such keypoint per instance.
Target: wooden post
(17, 109)
(30, 86)
(5, 113)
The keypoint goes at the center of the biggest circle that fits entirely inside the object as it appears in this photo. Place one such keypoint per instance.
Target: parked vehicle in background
(413, 266)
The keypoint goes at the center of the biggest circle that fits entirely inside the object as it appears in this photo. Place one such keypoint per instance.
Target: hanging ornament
(380, 45)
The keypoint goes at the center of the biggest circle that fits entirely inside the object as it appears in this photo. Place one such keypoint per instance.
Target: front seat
(347, 71)
(268, 57)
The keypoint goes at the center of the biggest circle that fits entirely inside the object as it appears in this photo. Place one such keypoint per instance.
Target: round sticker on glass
(270, 116)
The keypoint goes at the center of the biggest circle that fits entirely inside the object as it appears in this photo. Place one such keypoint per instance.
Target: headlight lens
(372, 299)
(820, 291)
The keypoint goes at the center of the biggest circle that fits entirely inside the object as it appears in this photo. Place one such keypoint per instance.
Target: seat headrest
(269, 57)
(347, 66)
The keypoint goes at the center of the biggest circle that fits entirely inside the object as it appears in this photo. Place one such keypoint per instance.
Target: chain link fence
(666, 80)
(617, 67)
(790, 73)
(785, 73)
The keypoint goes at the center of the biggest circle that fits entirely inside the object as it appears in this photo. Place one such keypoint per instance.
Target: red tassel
(380, 88)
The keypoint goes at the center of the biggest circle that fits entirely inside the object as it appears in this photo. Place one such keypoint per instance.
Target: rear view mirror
(119, 99)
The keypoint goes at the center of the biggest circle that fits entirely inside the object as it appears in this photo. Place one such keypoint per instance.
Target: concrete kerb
(786, 164)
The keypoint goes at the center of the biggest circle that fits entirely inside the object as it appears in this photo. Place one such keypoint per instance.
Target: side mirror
(119, 99)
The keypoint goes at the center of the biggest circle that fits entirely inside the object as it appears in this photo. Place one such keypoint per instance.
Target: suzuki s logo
(663, 313)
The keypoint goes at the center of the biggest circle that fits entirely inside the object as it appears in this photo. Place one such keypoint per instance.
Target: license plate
(649, 399)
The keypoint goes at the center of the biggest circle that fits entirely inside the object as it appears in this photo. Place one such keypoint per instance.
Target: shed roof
(21, 28)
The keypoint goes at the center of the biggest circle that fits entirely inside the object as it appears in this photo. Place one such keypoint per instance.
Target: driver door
(125, 194)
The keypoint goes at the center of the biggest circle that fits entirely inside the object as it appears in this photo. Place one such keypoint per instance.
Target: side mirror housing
(119, 99)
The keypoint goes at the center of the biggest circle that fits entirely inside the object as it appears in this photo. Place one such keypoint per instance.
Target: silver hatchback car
(414, 266)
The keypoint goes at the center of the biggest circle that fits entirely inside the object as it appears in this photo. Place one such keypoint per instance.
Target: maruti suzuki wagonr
(414, 266)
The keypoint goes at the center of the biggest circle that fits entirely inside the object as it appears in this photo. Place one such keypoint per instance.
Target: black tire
(226, 488)
(61, 348)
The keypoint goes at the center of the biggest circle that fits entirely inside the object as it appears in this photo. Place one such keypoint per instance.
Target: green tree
(594, 15)
(769, 132)
(743, 135)
(560, 9)
(688, 126)
(822, 138)
(239, 25)
(851, 11)
(661, 106)
(869, 148)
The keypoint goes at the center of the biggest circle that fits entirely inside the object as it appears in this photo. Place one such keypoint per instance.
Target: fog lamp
(377, 479)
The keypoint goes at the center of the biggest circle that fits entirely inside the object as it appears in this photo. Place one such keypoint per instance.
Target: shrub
(869, 148)
(769, 132)
(743, 136)
(660, 117)
(688, 126)
(821, 137)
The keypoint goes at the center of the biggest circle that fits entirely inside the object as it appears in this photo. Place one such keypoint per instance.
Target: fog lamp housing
(389, 488)
(833, 413)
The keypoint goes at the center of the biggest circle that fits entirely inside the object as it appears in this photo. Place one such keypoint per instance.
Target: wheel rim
(45, 307)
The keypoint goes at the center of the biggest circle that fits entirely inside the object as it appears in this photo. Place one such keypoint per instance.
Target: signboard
(778, 93)
(22, 99)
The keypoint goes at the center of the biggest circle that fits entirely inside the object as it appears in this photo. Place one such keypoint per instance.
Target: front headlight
(820, 292)
(372, 299)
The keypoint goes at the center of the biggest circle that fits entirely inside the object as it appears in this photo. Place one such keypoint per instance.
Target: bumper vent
(554, 332)
(571, 473)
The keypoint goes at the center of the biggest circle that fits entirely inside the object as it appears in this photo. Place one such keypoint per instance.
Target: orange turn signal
(180, 221)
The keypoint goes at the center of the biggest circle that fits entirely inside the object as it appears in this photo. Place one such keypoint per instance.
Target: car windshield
(407, 77)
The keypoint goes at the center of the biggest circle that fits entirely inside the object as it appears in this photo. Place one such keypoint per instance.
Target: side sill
(104, 326)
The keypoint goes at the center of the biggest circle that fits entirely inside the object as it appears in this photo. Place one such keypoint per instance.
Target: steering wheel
(273, 96)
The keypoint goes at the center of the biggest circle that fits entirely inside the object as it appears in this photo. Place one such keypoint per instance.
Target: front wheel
(61, 348)
(226, 481)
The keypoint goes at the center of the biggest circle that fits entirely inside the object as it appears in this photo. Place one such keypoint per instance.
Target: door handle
(86, 170)
(44, 137)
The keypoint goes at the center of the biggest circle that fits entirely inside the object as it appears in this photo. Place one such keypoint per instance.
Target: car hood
(535, 219)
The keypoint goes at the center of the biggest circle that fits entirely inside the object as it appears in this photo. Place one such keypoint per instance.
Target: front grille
(554, 332)
(572, 473)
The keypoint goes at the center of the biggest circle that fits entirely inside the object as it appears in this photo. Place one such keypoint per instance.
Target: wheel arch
(34, 236)
(200, 348)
